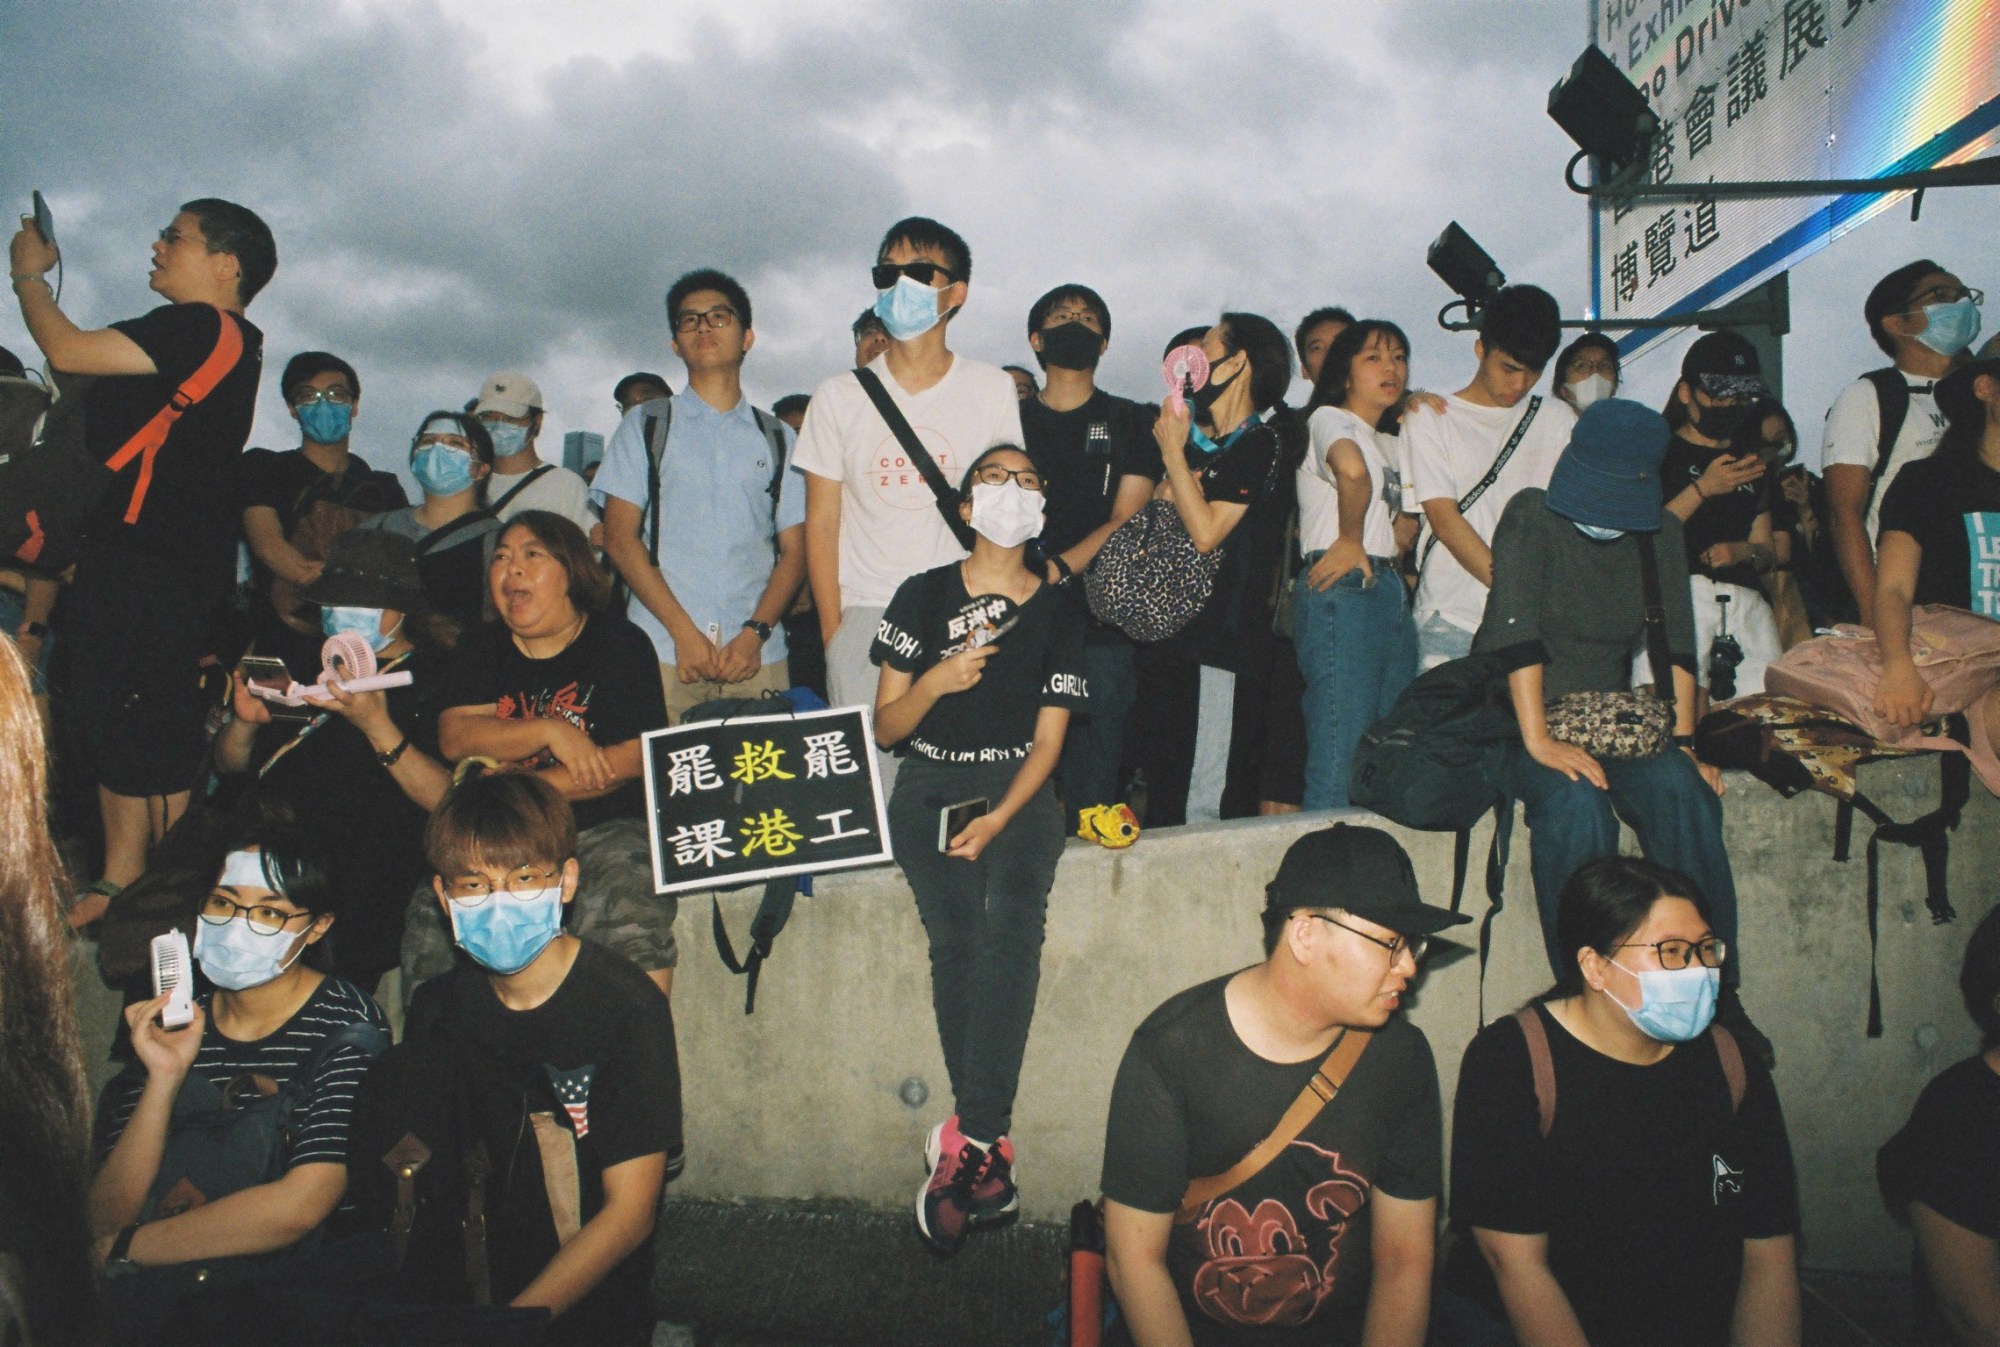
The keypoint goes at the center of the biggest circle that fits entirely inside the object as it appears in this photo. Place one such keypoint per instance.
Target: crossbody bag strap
(435, 540)
(1657, 654)
(151, 437)
(1480, 487)
(927, 468)
(1318, 1093)
(657, 428)
(497, 506)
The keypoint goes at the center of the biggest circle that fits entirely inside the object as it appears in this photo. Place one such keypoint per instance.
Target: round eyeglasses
(217, 910)
(521, 885)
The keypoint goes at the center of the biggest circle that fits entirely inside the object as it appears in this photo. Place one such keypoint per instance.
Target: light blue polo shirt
(716, 520)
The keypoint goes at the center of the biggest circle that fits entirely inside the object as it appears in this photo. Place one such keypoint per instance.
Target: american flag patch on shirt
(573, 1089)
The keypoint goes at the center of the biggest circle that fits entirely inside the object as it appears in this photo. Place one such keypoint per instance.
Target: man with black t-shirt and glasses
(1099, 465)
(1229, 1218)
(1922, 317)
(160, 543)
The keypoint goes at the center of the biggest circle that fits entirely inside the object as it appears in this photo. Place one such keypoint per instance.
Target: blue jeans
(1675, 813)
(1096, 740)
(1439, 641)
(1357, 650)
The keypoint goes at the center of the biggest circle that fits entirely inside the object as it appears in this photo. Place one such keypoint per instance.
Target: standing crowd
(930, 536)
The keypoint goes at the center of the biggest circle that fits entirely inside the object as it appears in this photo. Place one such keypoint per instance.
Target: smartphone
(45, 224)
(173, 978)
(953, 819)
(269, 672)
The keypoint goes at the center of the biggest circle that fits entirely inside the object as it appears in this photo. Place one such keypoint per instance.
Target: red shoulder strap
(145, 446)
(1542, 1064)
(1731, 1054)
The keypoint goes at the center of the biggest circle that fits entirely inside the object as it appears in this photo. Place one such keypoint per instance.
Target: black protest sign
(737, 801)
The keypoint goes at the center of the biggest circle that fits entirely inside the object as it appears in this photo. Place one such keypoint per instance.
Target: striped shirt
(322, 1134)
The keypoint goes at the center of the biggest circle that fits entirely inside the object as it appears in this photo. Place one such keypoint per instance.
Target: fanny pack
(1624, 725)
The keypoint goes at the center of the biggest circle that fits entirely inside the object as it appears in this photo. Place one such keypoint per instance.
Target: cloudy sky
(461, 186)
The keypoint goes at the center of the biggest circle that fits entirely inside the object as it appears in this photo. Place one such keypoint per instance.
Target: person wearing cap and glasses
(1328, 1235)
(1718, 485)
(510, 405)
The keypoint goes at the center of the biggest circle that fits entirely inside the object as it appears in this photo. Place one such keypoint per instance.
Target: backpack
(1892, 404)
(1543, 1065)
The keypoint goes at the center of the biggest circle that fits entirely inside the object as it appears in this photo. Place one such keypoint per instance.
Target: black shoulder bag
(947, 499)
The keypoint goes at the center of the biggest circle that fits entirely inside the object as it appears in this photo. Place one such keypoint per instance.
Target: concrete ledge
(802, 1099)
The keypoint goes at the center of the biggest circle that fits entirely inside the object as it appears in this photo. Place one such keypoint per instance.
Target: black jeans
(985, 922)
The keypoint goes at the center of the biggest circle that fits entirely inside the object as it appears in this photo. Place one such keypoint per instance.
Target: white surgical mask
(1006, 515)
(1592, 388)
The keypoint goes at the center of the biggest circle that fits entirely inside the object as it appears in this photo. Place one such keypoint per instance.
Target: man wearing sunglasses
(1923, 317)
(1336, 1227)
(872, 517)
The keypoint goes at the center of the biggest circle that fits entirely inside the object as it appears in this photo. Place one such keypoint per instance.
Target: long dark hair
(1336, 371)
(1605, 901)
(1964, 434)
(44, 1095)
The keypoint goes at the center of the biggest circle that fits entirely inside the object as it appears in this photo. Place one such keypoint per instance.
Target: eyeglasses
(992, 474)
(717, 318)
(170, 236)
(1946, 294)
(1415, 944)
(523, 884)
(1588, 364)
(1675, 954)
(337, 395)
(1061, 317)
(217, 910)
(923, 273)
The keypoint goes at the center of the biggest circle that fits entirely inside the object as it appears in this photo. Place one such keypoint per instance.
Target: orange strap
(145, 446)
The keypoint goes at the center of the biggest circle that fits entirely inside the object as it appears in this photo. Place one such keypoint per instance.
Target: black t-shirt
(1083, 453)
(1236, 618)
(1646, 1186)
(605, 1042)
(1289, 1248)
(1947, 1157)
(1040, 663)
(189, 518)
(372, 833)
(1719, 519)
(1953, 511)
(606, 682)
(291, 484)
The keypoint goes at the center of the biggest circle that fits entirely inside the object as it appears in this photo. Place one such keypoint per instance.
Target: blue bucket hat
(1609, 476)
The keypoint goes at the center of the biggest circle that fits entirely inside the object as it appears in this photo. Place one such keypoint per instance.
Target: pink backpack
(1957, 652)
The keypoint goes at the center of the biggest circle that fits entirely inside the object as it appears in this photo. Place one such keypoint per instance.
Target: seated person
(1648, 1196)
(450, 456)
(1941, 1173)
(561, 688)
(504, 846)
(360, 777)
(271, 1017)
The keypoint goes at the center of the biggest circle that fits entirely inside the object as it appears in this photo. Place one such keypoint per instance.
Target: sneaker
(1729, 1013)
(966, 1188)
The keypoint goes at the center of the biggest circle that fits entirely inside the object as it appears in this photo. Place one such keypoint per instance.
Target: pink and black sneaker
(967, 1189)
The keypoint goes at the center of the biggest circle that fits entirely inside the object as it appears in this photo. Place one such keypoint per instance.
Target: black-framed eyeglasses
(718, 318)
(1592, 364)
(884, 274)
(1415, 944)
(217, 910)
(994, 474)
(1946, 294)
(1675, 954)
(338, 396)
(523, 884)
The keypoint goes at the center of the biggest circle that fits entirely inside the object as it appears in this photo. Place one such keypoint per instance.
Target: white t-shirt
(890, 528)
(1319, 494)
(559, 491)
(1854, 433)
(1449, 454)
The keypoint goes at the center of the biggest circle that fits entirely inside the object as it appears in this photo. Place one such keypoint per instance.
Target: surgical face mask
(1071, 346)
(233, 954)
(505, 934)
(1589, 389)
(909, 308)
(1602, 535)
(442, 469)
(508, 438)
(326, 422)
(1950, 327)
(1675, 1004)
(365, 622)
(1006, 515)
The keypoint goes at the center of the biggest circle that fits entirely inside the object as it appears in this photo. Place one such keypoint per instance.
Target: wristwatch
(119, 1260)
(1684, 741)
(763, 629)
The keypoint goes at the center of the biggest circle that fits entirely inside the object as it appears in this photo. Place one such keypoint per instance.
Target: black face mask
(1719, 421)
(1204, 397)
(1071, 346)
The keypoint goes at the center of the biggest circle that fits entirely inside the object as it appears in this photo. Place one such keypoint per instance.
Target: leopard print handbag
(1148, 580)
(1613, 724)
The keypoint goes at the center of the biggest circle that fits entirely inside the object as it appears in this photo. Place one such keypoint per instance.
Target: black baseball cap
(1724, 365)
(1362, 871)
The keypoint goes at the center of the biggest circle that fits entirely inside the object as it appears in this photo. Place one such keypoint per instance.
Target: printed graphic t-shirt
(606, 683)
(1284, 1258)
(1954, 514)
(1040, 663)
(1319, 494)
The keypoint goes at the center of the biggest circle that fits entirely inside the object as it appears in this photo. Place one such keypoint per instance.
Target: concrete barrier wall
(804, 1099)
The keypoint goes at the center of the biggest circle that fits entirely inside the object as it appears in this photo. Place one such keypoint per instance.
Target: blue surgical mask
(508, 438)
(442, 469)
(1951, 327)
(235, 957)
(1601, 534)
(908, 308)
(326, 422)
(366, 622)
(1675, 1004)
(505, 934)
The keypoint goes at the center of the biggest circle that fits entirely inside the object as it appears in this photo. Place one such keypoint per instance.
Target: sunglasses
(884, 274)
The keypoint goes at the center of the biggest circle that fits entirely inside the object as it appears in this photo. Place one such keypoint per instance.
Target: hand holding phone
(45, 224)
(953, 819)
